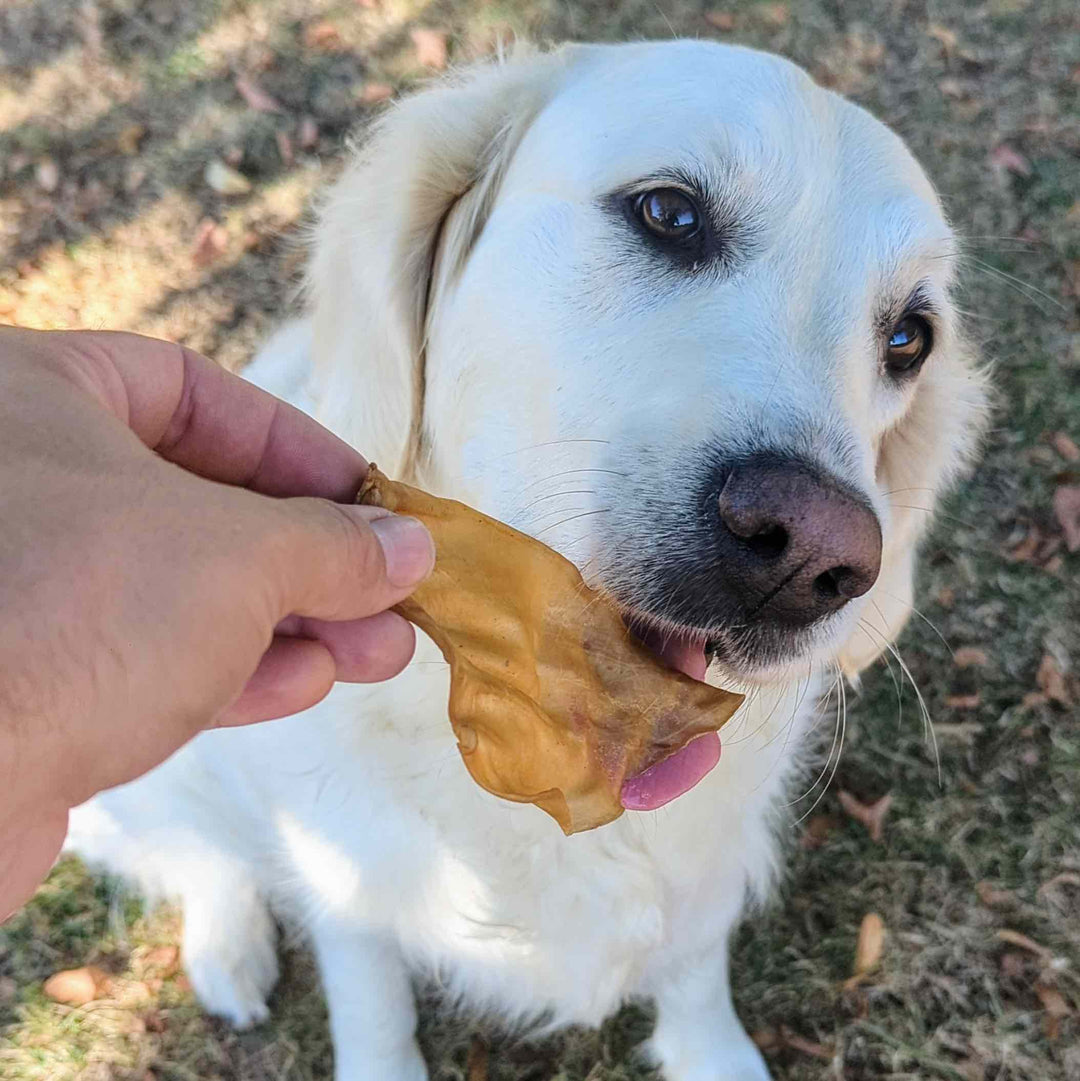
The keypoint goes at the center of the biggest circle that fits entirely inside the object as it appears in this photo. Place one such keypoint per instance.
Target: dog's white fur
(485, 326)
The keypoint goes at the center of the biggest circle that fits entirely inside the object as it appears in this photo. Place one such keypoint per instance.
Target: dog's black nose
(798, 545)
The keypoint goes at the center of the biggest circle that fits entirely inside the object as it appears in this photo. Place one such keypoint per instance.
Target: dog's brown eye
(909, 344)
(669, 214)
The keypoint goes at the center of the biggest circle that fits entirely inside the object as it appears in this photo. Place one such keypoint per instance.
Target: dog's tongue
(677, 773)
(681, 654)
(673, 776)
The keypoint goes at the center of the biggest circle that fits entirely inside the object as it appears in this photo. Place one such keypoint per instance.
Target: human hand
(149, 588)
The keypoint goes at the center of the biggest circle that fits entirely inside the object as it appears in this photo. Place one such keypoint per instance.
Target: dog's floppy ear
(918, 460)
(382, 228)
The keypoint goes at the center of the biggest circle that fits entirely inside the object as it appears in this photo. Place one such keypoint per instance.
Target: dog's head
(678, 312)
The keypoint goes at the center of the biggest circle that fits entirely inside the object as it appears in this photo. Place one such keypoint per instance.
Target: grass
(992, 847)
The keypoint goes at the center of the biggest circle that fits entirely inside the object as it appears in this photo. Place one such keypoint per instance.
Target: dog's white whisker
(918, 614)
(568, 472)
(1025, 289)
(554, 512)
(819, 710)
(872, 633)
(928, 725)
(572, 518)
(937, 513)
(839, 734)
(556, 495)
(551, 443)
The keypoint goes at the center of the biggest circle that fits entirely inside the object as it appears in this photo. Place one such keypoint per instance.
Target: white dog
(685, 316)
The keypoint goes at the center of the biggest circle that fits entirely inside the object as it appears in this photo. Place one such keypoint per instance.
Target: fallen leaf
(476, 1062)
(154, 1021)
(1035, 547)
(1014, 967)
(1051, 681)
(972, 1069)
(1056, 1007)
(258, 56)
(870, 944)
(1067, 512)
(47, 175)
(970, 657)
(963, 701)
(373, 93)
(946, 596)
(871, 815)
(775, 15)
(1065, 446)
(134, 993)
(1015, 938)
(284, 145)
(766, 1039)
(211, 241)
(945, 37)
(323, 36)
(954, 88)
(162, 960)
(76, 986)
(1005, 159)
(804, 1046)
(992, 897)
(134, 178)
(17, 162)
(867, 51)
(256, 98)
(129, 139)
(720, 20)
(225, 180)
(817, 831)
(430, 46)
(307, 134)
(1066, 878)
(91, 197)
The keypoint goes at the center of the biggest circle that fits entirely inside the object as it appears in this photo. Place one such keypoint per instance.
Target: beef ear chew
(551, 700)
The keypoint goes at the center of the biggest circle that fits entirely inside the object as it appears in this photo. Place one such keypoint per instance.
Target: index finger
(194, 413)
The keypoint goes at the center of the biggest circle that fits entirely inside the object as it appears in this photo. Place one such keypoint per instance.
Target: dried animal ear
(552, 701)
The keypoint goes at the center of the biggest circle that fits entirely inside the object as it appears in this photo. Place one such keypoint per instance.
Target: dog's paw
(734, 1057)
(236, 990)
(230, 955)
(356, 1063)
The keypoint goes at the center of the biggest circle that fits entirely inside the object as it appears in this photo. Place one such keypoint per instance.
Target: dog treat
(551, 700)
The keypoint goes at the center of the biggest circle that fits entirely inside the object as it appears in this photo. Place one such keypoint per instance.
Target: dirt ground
(156, 162)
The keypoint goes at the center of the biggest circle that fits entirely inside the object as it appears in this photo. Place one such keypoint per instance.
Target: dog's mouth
(684, 651)
(675, 775)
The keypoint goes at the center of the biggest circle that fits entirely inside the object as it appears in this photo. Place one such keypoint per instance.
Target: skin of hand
(177, 552)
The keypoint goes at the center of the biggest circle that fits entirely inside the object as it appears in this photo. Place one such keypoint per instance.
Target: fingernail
(407, 547)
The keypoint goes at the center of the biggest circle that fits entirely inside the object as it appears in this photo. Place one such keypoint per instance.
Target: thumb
(335, 562)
